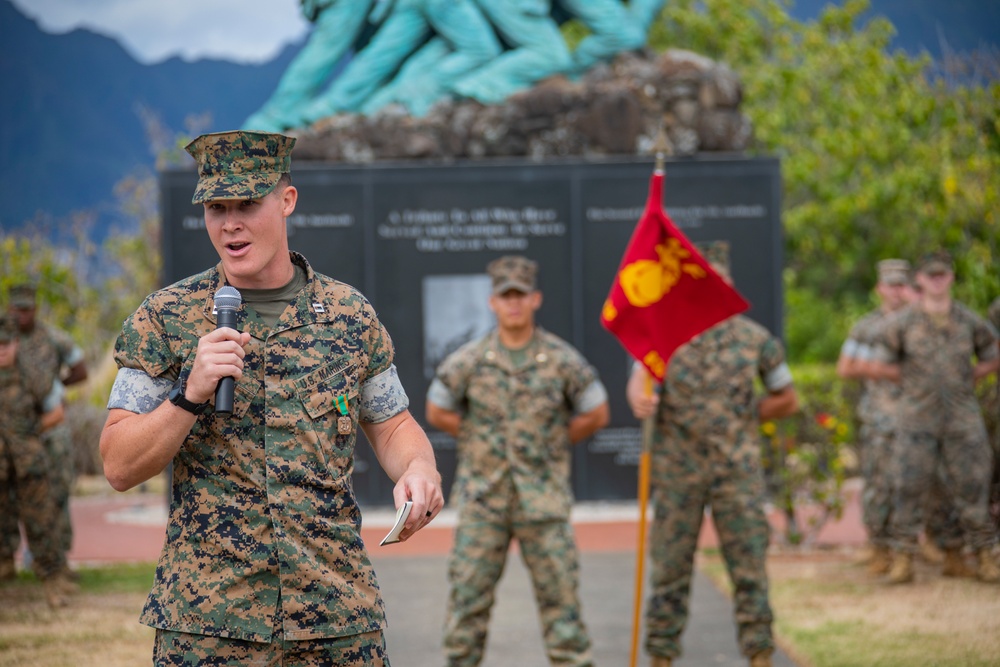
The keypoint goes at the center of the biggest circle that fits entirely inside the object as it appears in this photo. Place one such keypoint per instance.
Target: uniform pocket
(322, 390)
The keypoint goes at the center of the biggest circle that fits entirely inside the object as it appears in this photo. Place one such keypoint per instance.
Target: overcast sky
(154, 30)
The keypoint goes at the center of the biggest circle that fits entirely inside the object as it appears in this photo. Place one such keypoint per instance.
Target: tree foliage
(880, 158)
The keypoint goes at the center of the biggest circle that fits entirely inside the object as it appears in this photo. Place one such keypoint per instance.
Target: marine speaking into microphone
(227, 303)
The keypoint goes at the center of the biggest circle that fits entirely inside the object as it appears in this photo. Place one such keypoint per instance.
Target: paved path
(130, 527)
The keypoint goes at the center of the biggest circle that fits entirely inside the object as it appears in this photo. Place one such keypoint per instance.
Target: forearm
(584, 425)
(640, 394)
(400, 444)
(778, 404)
(406, 455)
(850, 368)
(447, 421)
(137, 447)
(76, 374)
(879, 370)
(52, 418)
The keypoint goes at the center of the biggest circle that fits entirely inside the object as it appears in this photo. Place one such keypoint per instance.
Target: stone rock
(614, 109)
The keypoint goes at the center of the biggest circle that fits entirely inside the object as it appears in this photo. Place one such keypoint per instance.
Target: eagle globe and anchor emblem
(646, 281)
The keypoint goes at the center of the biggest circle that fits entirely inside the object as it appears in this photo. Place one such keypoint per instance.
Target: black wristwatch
(176, 396)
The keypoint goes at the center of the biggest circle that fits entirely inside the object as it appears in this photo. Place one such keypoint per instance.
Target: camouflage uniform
(706, 451)
(51, 350)
(513, 481)
(25, 393)
(263, 542)
(877, 410)
(939, 419)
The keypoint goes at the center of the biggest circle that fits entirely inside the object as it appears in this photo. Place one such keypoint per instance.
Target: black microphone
(227, 302)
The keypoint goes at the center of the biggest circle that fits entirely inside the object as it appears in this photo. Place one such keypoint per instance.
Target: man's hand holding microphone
(218, 362)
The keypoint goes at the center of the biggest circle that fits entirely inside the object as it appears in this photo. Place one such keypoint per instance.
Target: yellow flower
(950, 185)
(841, 429)
(769, 428)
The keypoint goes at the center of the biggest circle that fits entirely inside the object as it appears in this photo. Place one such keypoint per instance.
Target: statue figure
(338, 28)
(422, 51)
(614, 28)
(417, 85)
(537, 51)
(408, 26)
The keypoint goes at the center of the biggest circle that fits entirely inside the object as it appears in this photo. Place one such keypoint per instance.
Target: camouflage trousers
(961, 466)
(735, 494)
(24, 492)
(180, 649)
(940, 521)
(876, 498)
(61, 475)
(474, 568)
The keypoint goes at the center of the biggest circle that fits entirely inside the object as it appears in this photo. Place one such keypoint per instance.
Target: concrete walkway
(130, 527)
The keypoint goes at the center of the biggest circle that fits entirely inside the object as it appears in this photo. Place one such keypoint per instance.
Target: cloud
(238, 30)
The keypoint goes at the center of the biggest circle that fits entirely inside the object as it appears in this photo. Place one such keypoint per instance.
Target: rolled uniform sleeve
(145, 363)
(593, 396)
(773, 368)
(54, 398)
(382, 397)
(441, 396)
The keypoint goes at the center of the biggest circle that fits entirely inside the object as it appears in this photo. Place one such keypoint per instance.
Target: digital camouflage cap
(894, 271)
(938, 261)
(239, 164)
(512, 272)
(23, 295)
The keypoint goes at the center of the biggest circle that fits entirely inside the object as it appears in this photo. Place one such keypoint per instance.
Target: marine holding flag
(705, 452)
(678, 315)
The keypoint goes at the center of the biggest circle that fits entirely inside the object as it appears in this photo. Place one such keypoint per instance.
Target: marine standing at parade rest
(706, 453)
(928, 348)
(52, 352)
(876, 410)
(26, 394)
(516, 400)
(263, 559)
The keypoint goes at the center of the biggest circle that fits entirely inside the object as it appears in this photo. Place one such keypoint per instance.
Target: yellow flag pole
(647, 435)
(648, 424)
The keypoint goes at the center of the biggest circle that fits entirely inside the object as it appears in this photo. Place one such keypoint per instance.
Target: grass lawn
(830, 613)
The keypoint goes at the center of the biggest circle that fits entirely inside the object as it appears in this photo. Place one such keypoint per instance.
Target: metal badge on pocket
(344, 423)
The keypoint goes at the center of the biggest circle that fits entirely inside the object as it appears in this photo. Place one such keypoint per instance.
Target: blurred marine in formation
(53, 353)
(876, 409)
(30, 402)
(929, 348)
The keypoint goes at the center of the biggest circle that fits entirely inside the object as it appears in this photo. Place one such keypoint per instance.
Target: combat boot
(54, 594)
(901, 570)
(8, 570)
(762, 659)
(660, 661)
(880, 561)
(954, 565)
(988, 570)
(866, 555)
(930, 552)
